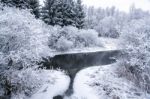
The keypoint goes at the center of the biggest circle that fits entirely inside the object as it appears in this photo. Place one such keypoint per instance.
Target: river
(73, 63)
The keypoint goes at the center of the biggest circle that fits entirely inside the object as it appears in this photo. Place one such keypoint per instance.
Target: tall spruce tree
(17, 3)
(35, 7)
(59, 12)
(48, 12)
(80, 15)
(58, 18)
(69, 13)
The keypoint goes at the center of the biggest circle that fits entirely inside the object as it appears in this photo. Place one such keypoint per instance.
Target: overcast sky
(122, 5)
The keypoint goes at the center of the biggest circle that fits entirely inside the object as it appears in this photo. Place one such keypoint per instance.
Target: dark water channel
(73, 63)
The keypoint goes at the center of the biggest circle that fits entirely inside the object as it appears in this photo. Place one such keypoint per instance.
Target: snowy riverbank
(107, 45)
(102, 82)
(58, 87)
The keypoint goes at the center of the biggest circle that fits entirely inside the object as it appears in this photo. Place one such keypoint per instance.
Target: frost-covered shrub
(62, 38)
(19, 31)
(87, 38)
(135, 59)
(108, 27)
(24, 81)
(63, 44)
(23, 42)
(70, 37)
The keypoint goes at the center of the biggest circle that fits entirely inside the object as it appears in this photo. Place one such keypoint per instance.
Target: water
(72, 63)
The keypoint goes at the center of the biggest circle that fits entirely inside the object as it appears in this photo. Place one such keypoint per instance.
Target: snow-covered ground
(99, 82)
(102, 82)
(58, 83)
(107, 44)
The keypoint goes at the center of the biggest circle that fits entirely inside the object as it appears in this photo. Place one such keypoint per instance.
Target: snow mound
(103, 83)
(57, 85)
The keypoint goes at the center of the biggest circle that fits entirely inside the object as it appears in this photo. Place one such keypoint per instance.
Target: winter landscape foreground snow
(102, 82)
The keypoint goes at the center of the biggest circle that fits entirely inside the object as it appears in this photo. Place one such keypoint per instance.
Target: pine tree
(57, 12)
(69, 13)
(48, 12)
(80, 15)
(58, 17)
(16, 3)
(63, 13)
(35, 7)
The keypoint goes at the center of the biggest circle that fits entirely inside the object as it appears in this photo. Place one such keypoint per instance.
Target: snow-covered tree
(51, 12)
(23, 40)
(63, 13)
(80, 15)
(90, 19)
(35, 7)
(66, 38)
(107, 27)
(107, 22)
(137, 13)
(135, 61)
(16, 3)
(69, 13)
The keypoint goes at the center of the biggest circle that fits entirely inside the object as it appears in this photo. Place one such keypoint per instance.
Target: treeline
(109, 22)
(33, 5)
(53, 12)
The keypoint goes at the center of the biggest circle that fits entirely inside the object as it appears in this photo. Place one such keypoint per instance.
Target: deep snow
(102, 82)
(99, 82)
(59, 85)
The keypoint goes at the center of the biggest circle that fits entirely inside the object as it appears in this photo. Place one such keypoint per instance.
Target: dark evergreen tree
(58, 17)
(49, 12)
(80, 15)
(69, 13)
(16, 3)
(35, 7)
(59, 12)
(63, 13)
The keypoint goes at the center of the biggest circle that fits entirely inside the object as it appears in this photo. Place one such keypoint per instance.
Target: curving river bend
(72, 63)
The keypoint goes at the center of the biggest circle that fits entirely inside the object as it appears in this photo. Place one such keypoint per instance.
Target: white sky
(122, 5)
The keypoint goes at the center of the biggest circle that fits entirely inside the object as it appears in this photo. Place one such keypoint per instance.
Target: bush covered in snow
(23, 41)
(135, 61)
(66, 38)
(107, 22)
(108, 27)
